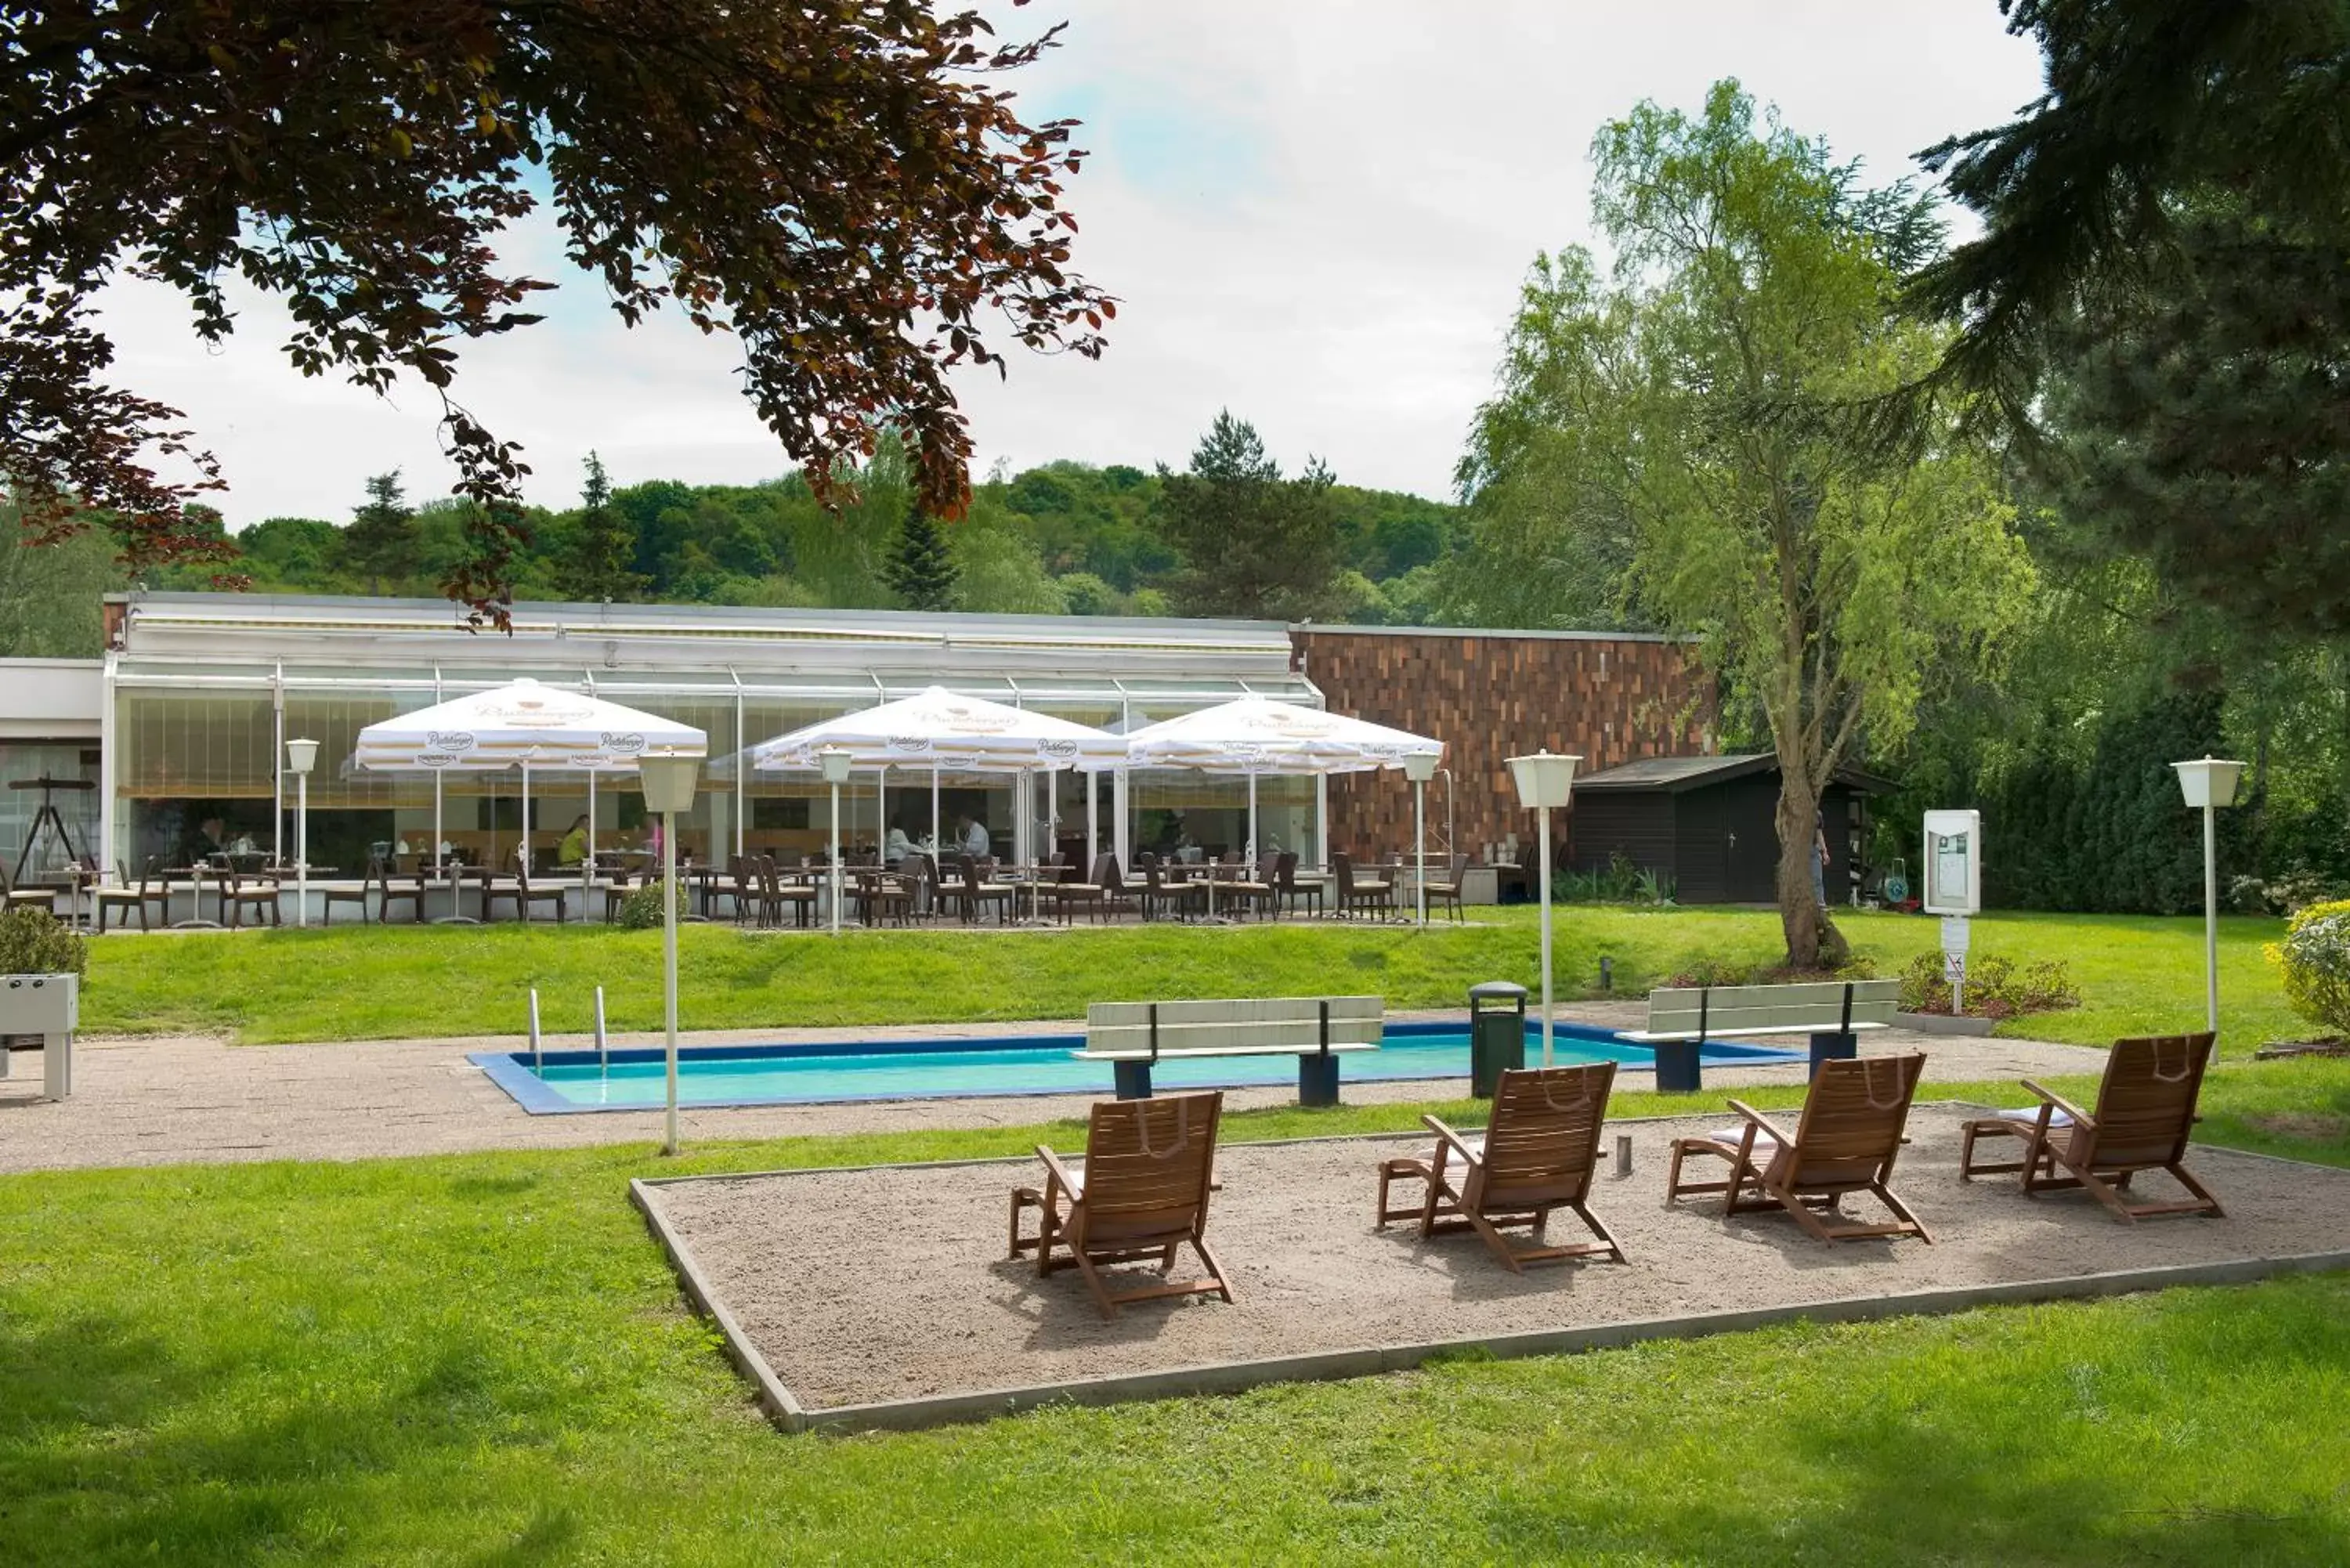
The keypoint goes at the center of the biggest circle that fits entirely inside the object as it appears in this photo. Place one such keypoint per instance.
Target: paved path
(171, 1100)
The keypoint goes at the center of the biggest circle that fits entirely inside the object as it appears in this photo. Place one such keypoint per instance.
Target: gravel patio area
(891, 1283)
(172, 1100)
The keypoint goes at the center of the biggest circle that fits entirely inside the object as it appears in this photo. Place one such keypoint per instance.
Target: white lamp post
(669, 781)
(301, 756)
(1545, 782)
(1420, 767)
(835, 761)
(2209, 784)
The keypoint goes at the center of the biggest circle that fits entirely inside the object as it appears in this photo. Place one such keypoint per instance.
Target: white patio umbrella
(1254, 735)
(945, 732)
(521, 724)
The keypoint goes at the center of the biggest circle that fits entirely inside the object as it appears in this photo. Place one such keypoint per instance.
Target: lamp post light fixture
(1420, 767)
(301, 756)
(1545, 782)
(835, 761)
(2209, 784)
(669, 781)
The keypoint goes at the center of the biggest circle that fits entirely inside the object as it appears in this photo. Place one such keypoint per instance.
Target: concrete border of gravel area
(791, 1411)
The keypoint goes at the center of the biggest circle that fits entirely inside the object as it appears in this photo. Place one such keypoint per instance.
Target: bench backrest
(1171, 1028)
(1721, 1010)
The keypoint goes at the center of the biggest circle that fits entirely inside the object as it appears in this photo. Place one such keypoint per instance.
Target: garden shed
(1708, 823)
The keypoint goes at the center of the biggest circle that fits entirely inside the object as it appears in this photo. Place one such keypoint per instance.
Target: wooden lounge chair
(1537, 1154)
(1846, 1143)
(2145, 1109)
(1140, 1192)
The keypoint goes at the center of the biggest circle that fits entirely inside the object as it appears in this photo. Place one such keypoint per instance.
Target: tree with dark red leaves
(843, 185)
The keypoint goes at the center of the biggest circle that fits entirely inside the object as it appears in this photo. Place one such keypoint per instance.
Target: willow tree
(1685, 416)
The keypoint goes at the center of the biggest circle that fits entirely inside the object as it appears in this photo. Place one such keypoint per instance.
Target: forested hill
(1064, 538)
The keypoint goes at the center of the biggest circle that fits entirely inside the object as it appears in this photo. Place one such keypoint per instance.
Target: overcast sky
(1315, 213)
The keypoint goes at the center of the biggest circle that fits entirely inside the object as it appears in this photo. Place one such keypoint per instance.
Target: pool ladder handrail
(602, 1063)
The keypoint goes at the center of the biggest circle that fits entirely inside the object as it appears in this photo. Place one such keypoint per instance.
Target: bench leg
(1833, 1045)
(1677, 1067)
(1133, 1079)
(1317, 1080)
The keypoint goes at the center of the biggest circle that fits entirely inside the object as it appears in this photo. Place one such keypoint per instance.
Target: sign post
(1954, 890)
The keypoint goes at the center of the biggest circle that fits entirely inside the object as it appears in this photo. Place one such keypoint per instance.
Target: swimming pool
(709, 1075)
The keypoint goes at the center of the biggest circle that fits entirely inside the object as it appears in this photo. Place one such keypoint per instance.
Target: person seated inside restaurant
(896, 847)
(975, 841)
(210, 839)
(573, 849)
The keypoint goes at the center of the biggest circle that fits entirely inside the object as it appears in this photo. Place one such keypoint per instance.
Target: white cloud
(1315, 213)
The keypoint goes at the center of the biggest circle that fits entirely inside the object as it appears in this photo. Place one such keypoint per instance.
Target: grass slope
(484, 1360)
(2138, 975)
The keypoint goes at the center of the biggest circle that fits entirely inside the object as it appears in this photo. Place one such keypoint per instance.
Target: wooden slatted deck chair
(2145, 1109)
(1846, 1142)
(1537, 1154)
(1140, 1192)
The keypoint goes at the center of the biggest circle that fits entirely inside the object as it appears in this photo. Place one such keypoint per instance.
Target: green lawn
(2138, 975)
(484, 1360)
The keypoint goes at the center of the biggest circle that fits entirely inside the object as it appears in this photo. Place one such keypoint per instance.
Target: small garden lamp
(835, 761)
(1544, 783)
(301, 756)
(2209, 784)
(669, 780)
(1420, 767)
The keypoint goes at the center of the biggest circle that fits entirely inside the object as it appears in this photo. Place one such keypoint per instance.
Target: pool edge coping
(534, 1097)
(790, 1414)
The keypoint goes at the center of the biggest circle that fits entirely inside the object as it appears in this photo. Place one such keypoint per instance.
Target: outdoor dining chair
(1288, 889)
(330, 895)
(239, 893)
(1116, 898)
(1447, 891)
(522, 893)
(1363, 895)
(15, 898)
(977, 892)
(408, 889)
(152, 888)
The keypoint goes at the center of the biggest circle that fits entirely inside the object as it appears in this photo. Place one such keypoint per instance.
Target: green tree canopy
(1254, 545)
(919, 570)
(379, 546)
(601, 566)
(1682, 419)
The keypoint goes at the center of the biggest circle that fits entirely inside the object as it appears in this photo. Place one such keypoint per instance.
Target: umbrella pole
(436, 822)
(882, 813)
(523, 848)
(1093, 819)
(588, 864)
(1253, 839)
(937, 847)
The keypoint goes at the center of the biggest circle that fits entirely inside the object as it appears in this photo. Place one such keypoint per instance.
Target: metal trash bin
(1497, 1034)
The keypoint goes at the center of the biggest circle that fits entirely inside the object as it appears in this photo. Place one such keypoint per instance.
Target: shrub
(1621, 883)
(34, 941)
(642, 910)
(2315, 958)
(1994, 988)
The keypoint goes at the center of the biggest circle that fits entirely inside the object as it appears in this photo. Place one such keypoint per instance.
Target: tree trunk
(1813, 941)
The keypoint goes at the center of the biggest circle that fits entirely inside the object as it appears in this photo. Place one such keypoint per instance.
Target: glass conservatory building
(200, 691)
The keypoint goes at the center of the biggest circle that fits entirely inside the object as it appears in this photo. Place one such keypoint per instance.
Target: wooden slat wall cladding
(1490, 698)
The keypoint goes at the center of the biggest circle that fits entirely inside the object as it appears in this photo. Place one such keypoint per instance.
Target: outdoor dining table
(195, 875)
(73, 881)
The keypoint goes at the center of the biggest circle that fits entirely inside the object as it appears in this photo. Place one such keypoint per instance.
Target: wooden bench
(1316, 1029)
(1833, 1012)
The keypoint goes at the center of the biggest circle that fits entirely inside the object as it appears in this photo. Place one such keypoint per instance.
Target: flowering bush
(642, 910)
(2315, 958)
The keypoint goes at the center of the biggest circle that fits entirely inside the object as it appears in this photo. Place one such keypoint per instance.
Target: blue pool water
(567, 1081)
